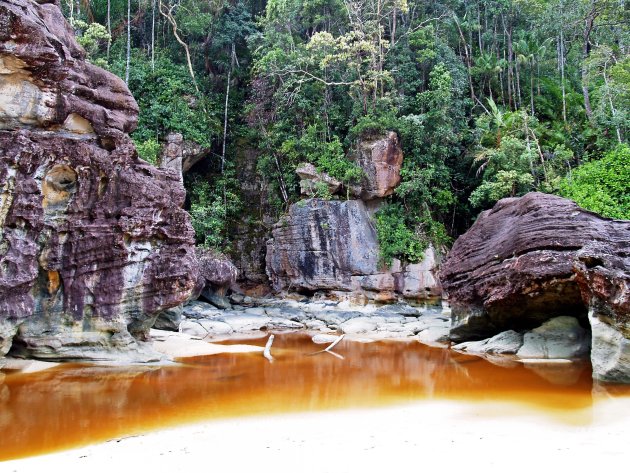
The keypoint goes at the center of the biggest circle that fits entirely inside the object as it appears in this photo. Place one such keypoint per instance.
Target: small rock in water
(504, 343)
(435, 336)
(324, 338)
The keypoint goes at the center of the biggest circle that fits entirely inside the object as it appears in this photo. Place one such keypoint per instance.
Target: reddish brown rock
(540, 256)
(93, 242)
(381, 160)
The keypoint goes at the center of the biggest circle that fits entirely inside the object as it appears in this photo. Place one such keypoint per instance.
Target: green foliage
(395, 238)
(92, 37)
(602, 186)
(488, 98)
(212, 207)
(167, 101)
(148, 150)
(504, 184)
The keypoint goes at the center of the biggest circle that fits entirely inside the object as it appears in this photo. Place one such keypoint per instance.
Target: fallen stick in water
(329, 348)
(333, 344)
(267, 350)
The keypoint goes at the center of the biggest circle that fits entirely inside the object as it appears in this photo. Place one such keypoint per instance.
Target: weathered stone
(93, 242)
(204, 328)
(560, 337)
(217, 274)
(199, 310)
(171, 154)
(514, 267)
(359, 325)
(536, 257)
(321, 245)
(610, 352)
(434, 336)
(181, 155)
(311, 180)
(322, 338)
(504, 343)
(243, 322)
(332, 246)
(46, 81)
(380, 159)
(602, 271)
(169, 319)
(249, 234)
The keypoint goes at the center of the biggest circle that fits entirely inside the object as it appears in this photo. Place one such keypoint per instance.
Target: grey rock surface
(560, 337)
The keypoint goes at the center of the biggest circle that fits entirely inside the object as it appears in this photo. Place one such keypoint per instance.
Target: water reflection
(73, 404)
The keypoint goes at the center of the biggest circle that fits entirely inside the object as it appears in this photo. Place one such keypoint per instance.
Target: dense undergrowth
(491, 98)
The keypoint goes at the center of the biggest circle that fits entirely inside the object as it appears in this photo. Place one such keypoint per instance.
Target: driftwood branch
(329, 348)
(267, 350)
(334, 344)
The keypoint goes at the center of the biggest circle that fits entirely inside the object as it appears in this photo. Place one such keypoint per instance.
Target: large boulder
(217, 274)
(381, 159)
(332, 246)
(533, 258)
(93, 240)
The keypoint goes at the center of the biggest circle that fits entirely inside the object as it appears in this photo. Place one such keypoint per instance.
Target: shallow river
(73, 405)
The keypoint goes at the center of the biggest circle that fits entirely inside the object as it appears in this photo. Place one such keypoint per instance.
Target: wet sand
(441, 435)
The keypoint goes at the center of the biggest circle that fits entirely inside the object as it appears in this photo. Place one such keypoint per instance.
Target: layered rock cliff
(93, 242)
(533, 258)
(332, 245)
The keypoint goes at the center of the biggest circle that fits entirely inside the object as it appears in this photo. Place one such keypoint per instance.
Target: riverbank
(468, 436)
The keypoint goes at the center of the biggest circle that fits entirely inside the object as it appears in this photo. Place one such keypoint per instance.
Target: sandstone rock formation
(93, 242)
(332, 246)
(181, 155)
(250, 233)
(540, 256)
(217, 274)
(311, 179)
(381, 160)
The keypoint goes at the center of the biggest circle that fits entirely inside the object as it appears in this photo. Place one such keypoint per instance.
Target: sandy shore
(454, 436)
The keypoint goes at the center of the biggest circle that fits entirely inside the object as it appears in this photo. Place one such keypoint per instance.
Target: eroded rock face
(93, 242)
(381, 160)
(217, 274)
(250, 233)
(540, 256)
(332, 246)
(311, 179)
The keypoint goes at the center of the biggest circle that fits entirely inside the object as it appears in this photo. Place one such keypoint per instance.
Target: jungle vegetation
(491, 98)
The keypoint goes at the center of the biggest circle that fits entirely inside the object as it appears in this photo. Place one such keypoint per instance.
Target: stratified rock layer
(93, 242)
(536, 257)
(332, 246)
(380, 159)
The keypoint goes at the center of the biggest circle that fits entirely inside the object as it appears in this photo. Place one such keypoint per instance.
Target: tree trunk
(128, 41)
(531, 87)
(152, 35)
(109, 26)
(561, 63)
(589, 22)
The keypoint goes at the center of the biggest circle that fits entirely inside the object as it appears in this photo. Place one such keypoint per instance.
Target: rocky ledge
(93, 242)
(332, 246)
(534, 258)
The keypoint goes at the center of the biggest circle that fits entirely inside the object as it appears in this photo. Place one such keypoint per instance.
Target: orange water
(74, 405)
